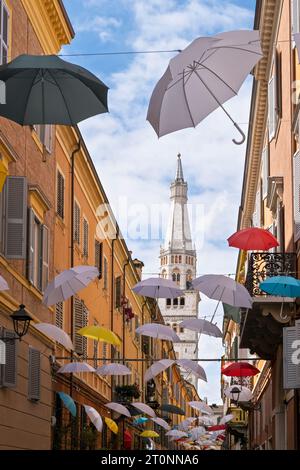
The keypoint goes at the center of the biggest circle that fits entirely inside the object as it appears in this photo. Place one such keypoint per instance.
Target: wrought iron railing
(263, 265)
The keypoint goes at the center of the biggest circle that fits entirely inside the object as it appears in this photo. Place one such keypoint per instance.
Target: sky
(135, 167)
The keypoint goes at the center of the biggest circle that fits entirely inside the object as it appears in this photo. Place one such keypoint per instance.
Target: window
(34, 374)
(180, 258)
(118, 292)
(60, 195)
(175, 302)
(182, 301)
(98, 257)
(275, 96)
(80, 313)
(295, 16)
(59, 315)
(76, 223)
(256, 217)
(265, 171)
(181, 329)
(3, 32)
(44, 133)
(105, 272)
(14, 217)
(8, 371)
(172, 259)
(178, 278)
(38, 252)
(85, 229)
(174, 277)
(168, 302)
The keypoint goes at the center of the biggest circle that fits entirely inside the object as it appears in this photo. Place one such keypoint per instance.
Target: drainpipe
(76, 150)
(143, 355)
(112, 299)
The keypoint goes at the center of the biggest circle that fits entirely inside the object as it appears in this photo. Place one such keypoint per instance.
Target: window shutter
(272, 115)
(118, 292)
(60, 195)
(8, 376)
(85, 238)
(2, 350)
(296, 178)
(16, 204)
(98, 257)
(265, 171)
(105, 274)
(291, 378)
(256, 218)
(45, 257)
(78, 323)
(48, 138)
(31, 245)
(85, 316)
(59, 315)
(278, 91)
(76, 223)
(34, 374)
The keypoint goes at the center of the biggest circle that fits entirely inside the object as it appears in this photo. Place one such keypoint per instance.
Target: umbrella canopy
(224, 289)
(284, 286)
(149, 433)
(197, 432)
(172, 409)
(157, 288)
(121, 409)
(240, 369)
(193, 368)
(99, 333)
(253, 238)
(113, 369)
(176, 433)
(68, 283)
(112, 425)
(201, 78)
(75, 367)
(143, 408)
(55, 333)
(217, 427)
(232, 313)
(3, 284)
(127, 439)
(161, 422)
(94, 417)
(140, 420)
(186, 423)
(207, 421)
(226, 418)
(157, 368)
(68, 402)
(45, 89)
(158, 331)
(202, 326)
(237, 393)
(201, 406)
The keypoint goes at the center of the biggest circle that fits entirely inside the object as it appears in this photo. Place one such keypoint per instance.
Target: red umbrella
(254, 238)
(217, 427)
(240, 369)
(127, 440)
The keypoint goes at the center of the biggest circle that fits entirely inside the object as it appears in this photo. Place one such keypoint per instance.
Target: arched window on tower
(172, 259)
(186, 259)
(182, 301)
(168, 303)
(174, 277)
(178, 278)
(175, 302)
(189, 285)
(180, 258)
(176, 259)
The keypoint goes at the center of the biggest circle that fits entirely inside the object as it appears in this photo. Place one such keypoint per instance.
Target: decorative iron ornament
(264, 265)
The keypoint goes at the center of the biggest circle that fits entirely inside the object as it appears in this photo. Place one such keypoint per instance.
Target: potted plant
(128, 392)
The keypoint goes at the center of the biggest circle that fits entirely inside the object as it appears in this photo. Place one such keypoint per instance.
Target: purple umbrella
(157, 368)
(158, 331)
(75, 367)
(161, 422)
(193, 368)
(202, 326)
(113, 369)
(143, 408)
(157, 288)
(206, 74)
(122, 410)
(53, 332)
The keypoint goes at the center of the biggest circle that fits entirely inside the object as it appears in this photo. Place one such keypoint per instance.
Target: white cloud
(104, 26)
(133, 164)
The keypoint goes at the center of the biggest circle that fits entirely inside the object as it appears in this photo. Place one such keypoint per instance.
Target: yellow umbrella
(149, 434)
(99, 333)
(3, 174)
(110, 423)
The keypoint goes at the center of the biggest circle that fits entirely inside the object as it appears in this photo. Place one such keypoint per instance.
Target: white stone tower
(178, 262)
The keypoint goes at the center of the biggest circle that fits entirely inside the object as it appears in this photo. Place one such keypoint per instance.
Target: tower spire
(179, 171)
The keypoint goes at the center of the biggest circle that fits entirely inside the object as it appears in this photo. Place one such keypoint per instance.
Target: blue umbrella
(140, 420)
(284, 286)
(68, 402)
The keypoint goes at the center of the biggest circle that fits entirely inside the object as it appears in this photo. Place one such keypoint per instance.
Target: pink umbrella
(94, 417)
(193, 367)
(75, 367)
(157, 368)
(53, 332)
(122, 410)
(186, 423)
(201, 406)
(202, 326)
(158, 331)
(161, 422)
(144, 409)
(157, 288)
(113, 369)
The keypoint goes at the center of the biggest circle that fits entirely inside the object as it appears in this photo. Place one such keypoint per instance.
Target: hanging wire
(88, 54)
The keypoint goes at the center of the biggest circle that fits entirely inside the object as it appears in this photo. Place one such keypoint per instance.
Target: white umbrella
(94, 417)
(197, 432)
(75, 367)
(158, 331)
(144, 409)
(157, 368)
(226, 419)
(186, 423)
(201, 406)
(122, 410)
(113, 369)
(53, 332)
(193, 367)
(68, 283)
(239, 392)
(3, 284)
(161, 422)
(176, 434)
(206, 420)
(157, 288)
(202, 326)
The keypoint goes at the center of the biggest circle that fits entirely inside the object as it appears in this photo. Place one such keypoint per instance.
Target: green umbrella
(45, 89)
(172, 409)
(232, 313)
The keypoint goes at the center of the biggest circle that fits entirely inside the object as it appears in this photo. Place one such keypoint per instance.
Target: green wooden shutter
(8, 376)
(16, 217)
(34, 374)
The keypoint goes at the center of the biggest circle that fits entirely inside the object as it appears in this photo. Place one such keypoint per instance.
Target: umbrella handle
(242, 134)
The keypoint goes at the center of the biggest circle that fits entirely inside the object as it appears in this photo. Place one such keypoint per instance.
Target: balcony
(261, 327)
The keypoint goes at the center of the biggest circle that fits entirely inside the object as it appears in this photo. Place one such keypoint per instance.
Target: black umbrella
(48, 90)
(172, 409)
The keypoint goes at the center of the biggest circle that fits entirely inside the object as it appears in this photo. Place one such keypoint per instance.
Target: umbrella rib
(63, 97)
(179, 79)
(185, 97)
(237, 48)
(29, 93)
(218, 76)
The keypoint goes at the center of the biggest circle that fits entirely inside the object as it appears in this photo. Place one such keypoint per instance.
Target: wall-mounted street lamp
(235, 394)
(21, 320)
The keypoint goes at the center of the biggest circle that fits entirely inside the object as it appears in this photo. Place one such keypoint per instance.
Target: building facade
(178, 260)
(270, 199)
